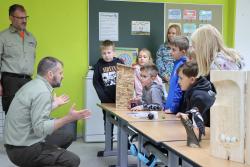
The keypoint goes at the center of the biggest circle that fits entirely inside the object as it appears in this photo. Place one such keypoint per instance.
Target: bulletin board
(143, 24)
(129, 14)
(192, 16)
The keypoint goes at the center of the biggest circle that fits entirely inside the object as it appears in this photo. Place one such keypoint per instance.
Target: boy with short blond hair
(104, 78)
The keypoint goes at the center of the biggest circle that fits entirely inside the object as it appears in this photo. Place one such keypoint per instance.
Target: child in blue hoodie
(179, 47)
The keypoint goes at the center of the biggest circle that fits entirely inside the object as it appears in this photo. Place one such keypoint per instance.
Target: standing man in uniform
(17, 55)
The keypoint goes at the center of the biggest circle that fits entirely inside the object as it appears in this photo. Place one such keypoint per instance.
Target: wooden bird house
(230, 116)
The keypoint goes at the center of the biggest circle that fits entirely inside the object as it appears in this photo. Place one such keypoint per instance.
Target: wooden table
(162, 131)
(125, 114)
(122, 120)
(167, 132)
(199, 156)
(165, 129)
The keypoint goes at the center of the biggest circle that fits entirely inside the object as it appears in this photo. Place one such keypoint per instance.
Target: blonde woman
(211, 52)
(164, 60)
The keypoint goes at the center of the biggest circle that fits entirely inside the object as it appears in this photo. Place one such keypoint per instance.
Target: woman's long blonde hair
(207, 42)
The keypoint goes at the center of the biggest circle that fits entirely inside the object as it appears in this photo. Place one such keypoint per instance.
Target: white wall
(242, 30)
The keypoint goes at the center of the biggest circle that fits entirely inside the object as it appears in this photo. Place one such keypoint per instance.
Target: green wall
(61, 29)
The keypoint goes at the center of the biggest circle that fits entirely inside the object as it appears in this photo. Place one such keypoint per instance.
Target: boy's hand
(166, 78)
(137, 108)
(178, 115)
(168, 111)
(1, 89)
(182, 115)
(135, 100)
(134, 65)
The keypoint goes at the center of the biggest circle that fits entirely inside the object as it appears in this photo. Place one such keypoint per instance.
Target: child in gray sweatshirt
(152, 93)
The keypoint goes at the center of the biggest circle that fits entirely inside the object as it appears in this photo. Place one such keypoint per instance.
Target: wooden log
(124, 86)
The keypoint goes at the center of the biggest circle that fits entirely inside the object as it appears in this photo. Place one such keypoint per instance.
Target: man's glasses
(21, 18)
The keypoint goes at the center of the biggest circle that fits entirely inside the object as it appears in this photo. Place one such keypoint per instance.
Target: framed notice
(140, 28)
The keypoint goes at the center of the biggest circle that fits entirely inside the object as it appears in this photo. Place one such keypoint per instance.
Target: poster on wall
(189, 28)
(108, 26)
(189, 14)
(193, 16)
(140, 28)
(128, 55)
(174, 14)
(205, 15)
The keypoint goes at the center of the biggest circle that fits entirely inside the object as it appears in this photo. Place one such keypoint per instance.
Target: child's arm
(202, 100)
(164, 63)
(134, 102)
(137, 82)
(98, 84)
(168, 70)
(159, 63)
(157, 100)
(176, 100)
(137, 108)
(152, 107)
(120, 61)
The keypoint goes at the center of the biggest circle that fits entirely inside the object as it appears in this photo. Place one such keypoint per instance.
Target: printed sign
(108, 26)
(189, 28)
(205, 15)
(140, 28)
(189, 14)
(174, 14)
